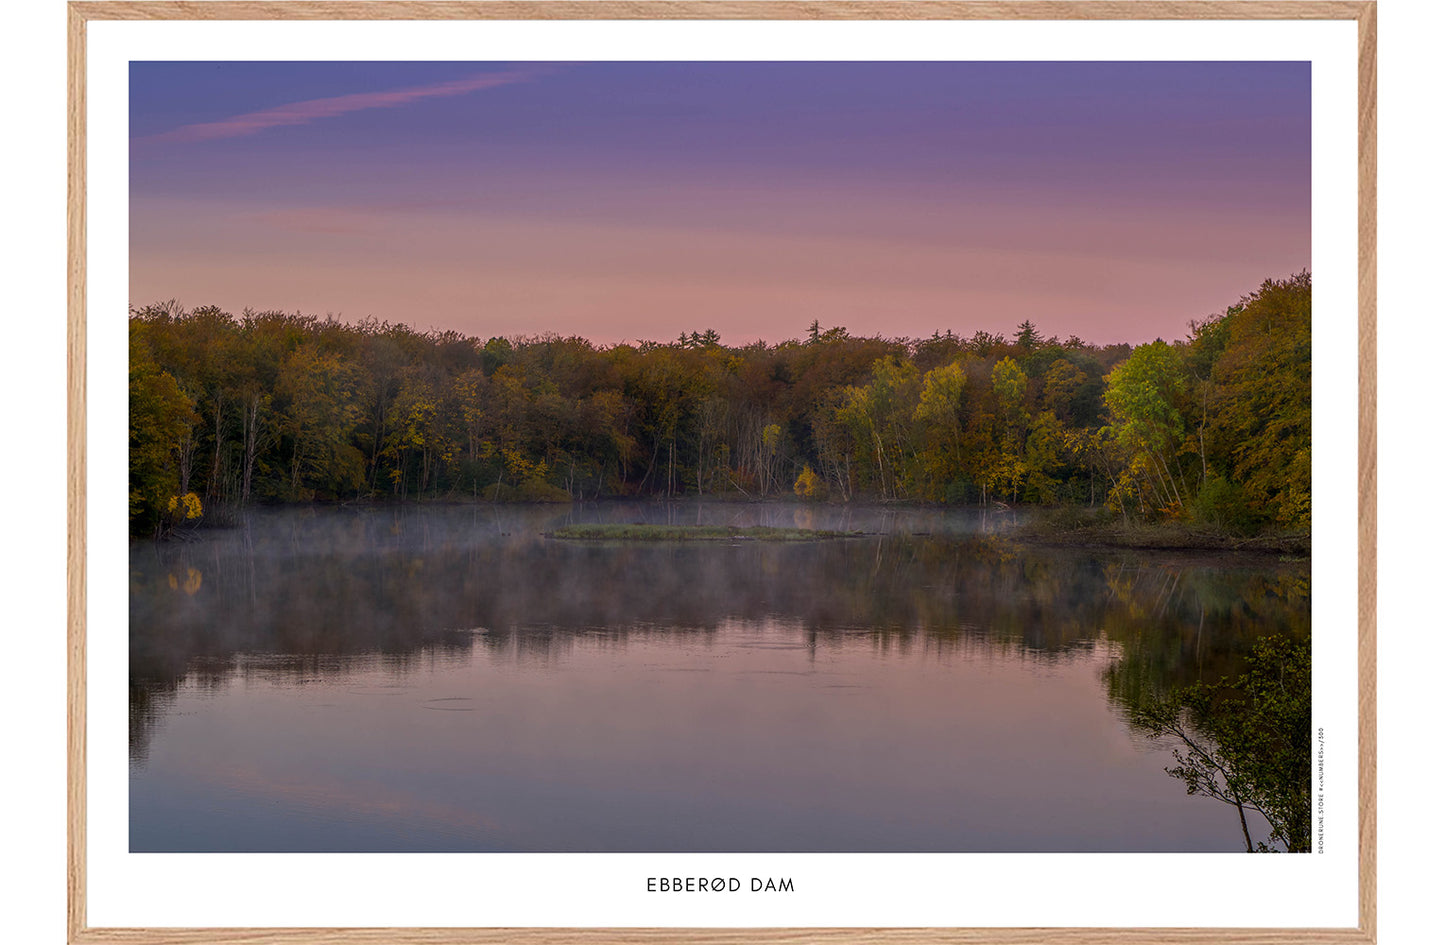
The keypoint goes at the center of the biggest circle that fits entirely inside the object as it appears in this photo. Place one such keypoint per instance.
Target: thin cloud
(305, 112)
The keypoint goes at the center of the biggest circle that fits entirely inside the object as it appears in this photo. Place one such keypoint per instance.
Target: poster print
(568, 542)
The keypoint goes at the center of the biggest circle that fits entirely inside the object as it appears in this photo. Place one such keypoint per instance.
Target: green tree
(1245, 741)
(1146, 397)
(1007, 470)
(939, 414)
(879, 418)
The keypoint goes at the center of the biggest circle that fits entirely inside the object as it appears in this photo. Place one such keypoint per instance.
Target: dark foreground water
(447, 679)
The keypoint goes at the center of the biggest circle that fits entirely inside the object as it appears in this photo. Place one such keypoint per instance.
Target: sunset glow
(636, 200)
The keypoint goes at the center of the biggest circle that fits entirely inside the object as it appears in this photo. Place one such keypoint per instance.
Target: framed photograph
(722, 472)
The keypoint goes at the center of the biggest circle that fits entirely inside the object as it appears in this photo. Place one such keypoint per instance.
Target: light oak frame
(80, 13)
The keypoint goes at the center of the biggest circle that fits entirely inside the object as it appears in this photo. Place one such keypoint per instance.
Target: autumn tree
(284, 406)
(879, 420)
(318, 391)
(1263, 381)
(939, 415)
(1010, 385)
(161, 420)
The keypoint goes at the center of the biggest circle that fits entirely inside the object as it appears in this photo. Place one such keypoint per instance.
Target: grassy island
(640, 532)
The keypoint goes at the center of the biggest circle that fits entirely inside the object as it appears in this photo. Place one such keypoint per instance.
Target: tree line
(269, 406)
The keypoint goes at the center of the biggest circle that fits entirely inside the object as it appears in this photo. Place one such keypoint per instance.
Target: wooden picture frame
(1362, 14)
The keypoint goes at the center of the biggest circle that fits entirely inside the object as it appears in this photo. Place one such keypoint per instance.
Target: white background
(131, 890)
(33, 249)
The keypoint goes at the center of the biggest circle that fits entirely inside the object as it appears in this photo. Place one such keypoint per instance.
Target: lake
(446, 678)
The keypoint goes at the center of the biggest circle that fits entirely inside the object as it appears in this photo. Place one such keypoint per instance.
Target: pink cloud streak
(305, 112)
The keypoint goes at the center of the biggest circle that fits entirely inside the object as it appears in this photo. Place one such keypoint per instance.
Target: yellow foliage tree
(808, 485)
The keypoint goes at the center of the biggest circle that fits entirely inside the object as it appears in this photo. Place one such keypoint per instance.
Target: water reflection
(511, 678)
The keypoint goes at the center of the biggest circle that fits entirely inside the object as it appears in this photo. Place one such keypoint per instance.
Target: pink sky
(636, 201)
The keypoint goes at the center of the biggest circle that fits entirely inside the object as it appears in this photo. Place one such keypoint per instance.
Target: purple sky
(631, 200)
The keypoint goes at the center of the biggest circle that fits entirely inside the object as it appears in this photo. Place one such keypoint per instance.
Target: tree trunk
(296, 471)
(251, 419)
(213, 485)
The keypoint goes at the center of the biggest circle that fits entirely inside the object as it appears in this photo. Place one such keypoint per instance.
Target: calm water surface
(448, 679)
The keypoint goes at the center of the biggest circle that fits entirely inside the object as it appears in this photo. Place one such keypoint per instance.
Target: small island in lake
(644, 532)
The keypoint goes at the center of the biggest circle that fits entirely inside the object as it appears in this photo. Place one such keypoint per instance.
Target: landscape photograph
(719, 457)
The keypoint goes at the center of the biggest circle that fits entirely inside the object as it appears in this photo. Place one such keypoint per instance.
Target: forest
(270, 407)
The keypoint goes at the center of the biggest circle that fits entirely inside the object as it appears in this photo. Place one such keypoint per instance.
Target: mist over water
(447, 678)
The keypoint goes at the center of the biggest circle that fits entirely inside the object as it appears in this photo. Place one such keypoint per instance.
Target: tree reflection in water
(315, 595)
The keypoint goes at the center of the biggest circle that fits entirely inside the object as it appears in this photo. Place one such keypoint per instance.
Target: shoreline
(1057, 526)
(1154, 537)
